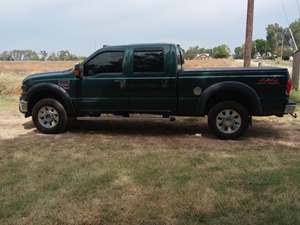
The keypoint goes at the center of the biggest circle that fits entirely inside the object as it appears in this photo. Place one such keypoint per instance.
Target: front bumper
(23, 106)
(290, 108)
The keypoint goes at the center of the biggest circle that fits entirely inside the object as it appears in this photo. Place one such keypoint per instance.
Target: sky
(84, 26)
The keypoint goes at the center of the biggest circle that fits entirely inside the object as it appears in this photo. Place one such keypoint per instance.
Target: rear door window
(148, 61)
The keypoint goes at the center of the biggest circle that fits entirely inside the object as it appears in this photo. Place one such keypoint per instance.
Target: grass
(10, 84)
(72, 182)
(295, 96)
(12, 73)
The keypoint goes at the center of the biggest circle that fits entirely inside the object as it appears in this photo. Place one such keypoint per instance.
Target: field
(144, 171)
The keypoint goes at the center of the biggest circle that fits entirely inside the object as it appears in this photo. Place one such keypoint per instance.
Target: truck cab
(139, 78)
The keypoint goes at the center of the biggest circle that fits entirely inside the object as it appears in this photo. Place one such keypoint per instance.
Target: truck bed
(235, 71)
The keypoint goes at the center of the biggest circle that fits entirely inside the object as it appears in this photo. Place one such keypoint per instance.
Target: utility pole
(293, 38)
(282, 45)
(249, 34)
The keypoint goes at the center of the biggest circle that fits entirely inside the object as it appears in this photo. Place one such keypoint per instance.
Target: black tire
(238, 124)
(60, 123)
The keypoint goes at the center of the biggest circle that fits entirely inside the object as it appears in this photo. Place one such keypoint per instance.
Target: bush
(222, 51)
(295, 96)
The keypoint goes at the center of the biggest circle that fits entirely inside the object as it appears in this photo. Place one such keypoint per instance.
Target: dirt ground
(185, 131)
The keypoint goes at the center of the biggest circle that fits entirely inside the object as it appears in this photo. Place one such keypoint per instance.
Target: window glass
(107, 62)
(179, 60)
(148, 61)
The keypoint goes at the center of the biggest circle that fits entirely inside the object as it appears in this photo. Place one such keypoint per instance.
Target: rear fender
(230, 86)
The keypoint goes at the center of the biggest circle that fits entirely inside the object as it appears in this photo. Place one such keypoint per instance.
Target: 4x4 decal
(269, 81)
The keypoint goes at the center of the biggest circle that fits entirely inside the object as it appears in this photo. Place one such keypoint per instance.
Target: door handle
(165, 83)
(120, 82)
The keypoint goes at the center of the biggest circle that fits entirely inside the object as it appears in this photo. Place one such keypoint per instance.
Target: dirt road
(183, 133)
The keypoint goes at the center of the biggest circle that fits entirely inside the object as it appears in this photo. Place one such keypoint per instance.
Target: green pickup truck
(150, 79)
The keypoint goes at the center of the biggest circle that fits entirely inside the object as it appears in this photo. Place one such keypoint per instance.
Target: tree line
(221, 51)
(278, 42)
(29, 55)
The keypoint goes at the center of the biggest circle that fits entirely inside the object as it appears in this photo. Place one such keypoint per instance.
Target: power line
(288, 22)
(285, 12)
(298, 7)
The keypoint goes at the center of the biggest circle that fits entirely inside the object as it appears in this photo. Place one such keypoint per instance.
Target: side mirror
(78, 71)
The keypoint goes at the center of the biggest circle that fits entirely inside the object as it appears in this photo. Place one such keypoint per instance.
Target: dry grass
(12, 73)
(28, 67)
(212, 63)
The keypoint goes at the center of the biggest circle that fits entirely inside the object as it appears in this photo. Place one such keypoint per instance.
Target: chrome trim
(23, 106)
(290, 109)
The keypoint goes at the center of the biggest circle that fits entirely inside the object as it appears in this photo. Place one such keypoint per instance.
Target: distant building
(203, 56)
(258, 56)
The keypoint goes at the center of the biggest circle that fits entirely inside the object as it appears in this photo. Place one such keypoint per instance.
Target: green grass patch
(295, 96)
(67, 181)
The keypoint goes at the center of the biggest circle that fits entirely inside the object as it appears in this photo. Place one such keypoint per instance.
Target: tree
(65, 55)
(222, 51)
(238, 53)
(44, 55)
(52, 57)
(295, 27)
(276, 35)
(192, 52)
(287, 53)
(21, 55)
(260, 46)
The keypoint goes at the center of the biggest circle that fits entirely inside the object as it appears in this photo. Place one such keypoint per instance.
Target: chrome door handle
(121, 82)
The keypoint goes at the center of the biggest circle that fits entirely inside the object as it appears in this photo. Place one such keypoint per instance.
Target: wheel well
(42, 95)
(236, 96)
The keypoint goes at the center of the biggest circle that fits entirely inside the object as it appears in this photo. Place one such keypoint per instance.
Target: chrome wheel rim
(229, 121)
(48, 117)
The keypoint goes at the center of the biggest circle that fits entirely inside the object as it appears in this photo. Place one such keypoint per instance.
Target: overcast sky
(84, 26)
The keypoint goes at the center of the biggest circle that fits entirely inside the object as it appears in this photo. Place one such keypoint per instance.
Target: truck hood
(49, 76)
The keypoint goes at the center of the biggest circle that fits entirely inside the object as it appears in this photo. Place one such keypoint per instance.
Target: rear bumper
(290, 108)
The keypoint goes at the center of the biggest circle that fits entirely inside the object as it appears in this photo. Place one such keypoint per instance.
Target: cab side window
(148, 61)
(106, 62)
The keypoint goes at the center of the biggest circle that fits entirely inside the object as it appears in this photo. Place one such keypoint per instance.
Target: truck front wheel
(228, 120)
(49, 116)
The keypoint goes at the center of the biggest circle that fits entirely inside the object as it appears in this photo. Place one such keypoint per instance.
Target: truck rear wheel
(49, 116)
(228, 120)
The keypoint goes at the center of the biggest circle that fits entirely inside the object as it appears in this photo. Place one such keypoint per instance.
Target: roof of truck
(124, 47)
(141, 45)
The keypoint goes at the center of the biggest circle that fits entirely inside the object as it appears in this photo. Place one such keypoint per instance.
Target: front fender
(50, 90)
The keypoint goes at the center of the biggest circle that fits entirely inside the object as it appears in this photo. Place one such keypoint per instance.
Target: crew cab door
(103, 87)
(151, 88)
